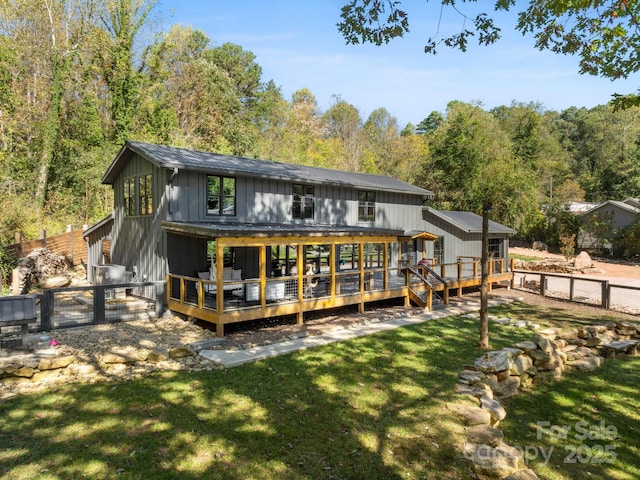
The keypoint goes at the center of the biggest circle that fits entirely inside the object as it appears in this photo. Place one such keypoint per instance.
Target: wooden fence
(70, 244)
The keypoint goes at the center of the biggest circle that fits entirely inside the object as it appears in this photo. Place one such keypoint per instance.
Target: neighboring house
(604, 220)
(275, 238)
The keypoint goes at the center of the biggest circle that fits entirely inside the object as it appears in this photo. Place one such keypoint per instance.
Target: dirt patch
(606, 268)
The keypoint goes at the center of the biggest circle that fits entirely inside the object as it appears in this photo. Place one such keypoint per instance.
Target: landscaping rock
(507, 388)
(53, 363)
(128, 355)
(55, 282)
(526, 474)
(181, 352)
(495, 361)
(585, 364)
(485, 435)
(492, 463)
(471, 415)
(495, 409)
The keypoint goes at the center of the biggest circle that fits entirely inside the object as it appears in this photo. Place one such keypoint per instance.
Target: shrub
(626, 244)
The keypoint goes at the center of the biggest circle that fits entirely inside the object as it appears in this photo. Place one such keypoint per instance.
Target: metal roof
(627, 204)
(215, 163)
(469, 222)
(214, 230)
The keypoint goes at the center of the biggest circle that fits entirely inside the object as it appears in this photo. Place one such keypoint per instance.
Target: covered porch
(234, 273)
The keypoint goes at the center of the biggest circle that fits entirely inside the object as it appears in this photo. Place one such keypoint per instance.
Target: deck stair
(428, 283)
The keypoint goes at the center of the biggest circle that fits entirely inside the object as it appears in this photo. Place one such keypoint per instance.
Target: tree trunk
(484, 285)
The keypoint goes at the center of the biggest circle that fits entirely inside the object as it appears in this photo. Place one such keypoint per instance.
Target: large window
(138, 195)
(221, 195)
(366, 206)
(303, 201)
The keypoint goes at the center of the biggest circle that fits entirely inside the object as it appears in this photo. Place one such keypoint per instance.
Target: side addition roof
(469, 222)
(215, 163)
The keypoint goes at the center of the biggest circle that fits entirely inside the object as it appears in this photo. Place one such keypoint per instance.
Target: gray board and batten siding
(263, 196)
(462, 233)
(263, 189)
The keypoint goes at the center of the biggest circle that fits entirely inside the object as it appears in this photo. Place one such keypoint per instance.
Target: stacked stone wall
(501, 374)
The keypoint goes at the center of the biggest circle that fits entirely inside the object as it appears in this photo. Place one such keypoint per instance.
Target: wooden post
(361, 268)
(18, 242)
(219, 282)
(263, 275)
(333, 266)
(571, 288)
(605, 294)
(71, 242)
(385, 263)
(300, 270)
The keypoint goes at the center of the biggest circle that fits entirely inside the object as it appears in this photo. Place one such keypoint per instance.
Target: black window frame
(138, 195)
(227, 203)
(366, 206)
(303, 205)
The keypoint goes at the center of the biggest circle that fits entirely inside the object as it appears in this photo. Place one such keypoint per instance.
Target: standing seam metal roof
(469, 222)
(172, 157)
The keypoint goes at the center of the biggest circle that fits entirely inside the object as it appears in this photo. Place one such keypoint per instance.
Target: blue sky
(297, 44)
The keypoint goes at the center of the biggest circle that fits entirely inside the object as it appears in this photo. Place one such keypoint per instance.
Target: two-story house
(239, 239)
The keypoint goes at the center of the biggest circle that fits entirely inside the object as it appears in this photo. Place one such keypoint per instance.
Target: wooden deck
(254, 299)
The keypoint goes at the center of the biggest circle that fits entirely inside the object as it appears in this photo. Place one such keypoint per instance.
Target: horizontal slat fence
(70, 244)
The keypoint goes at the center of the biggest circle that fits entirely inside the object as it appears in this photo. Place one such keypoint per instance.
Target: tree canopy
(605, 35)
(67, 103)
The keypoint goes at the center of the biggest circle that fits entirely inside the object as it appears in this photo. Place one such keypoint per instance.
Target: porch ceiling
(216, 230)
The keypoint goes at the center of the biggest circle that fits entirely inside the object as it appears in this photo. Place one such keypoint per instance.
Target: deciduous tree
(604, 35)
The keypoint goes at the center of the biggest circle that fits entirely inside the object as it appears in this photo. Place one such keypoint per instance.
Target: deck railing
(252, 294)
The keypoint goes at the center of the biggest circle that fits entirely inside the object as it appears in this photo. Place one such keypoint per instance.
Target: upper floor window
(366, 206)
(138, 195)
(145, 198)
(221, 195)
(303, 201)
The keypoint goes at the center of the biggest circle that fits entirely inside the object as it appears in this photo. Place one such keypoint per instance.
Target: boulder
(582, 261)
(540, 246)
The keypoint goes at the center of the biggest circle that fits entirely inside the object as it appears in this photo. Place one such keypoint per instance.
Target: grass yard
(369, 408)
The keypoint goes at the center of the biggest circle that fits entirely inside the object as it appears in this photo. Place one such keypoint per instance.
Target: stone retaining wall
(502, 374)
(125, 363)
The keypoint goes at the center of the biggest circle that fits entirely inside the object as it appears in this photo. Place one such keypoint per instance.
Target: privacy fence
(600, 293)
(70, 244)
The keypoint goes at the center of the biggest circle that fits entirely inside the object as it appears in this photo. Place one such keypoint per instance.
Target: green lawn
(370, 408)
